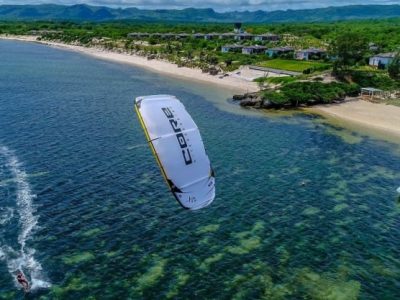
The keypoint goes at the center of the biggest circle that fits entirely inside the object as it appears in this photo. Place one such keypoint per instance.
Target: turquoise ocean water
(304, 209)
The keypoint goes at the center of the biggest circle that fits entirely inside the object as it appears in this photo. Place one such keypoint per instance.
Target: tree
(349, 48)
(394, 68)
(212, 60)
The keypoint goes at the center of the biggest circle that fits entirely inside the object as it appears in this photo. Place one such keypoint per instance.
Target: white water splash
(23, 259)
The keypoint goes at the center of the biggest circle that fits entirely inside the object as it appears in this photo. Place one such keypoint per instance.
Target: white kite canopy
(178, 148)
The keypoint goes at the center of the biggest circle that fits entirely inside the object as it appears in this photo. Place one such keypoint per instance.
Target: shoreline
(236, 85)
(380, 118)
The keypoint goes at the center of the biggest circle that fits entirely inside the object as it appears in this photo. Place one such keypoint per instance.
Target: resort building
(143, 35)
(182, 36)
(210, 36)
(42, 32)
(198, 36)
(238, 36)
(243, 36)
(383, 60)
(167, 36)
(231, 48)
(132, 35)
(138, 35)
(227, 36)
(267, 37)
(312, 53)
(279, 51)
(253, 50)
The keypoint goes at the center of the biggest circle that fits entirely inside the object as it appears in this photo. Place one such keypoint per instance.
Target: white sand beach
(381, 117)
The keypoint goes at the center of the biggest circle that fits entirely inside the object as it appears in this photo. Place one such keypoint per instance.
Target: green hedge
(374, 79)
(310, 93)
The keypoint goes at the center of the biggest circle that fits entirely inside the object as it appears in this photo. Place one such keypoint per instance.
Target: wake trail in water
(22, 259)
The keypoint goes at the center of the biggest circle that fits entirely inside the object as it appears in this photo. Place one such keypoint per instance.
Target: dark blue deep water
(304, 209)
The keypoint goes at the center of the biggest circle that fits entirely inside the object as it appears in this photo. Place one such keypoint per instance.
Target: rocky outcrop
(249, 99)
(238, 97)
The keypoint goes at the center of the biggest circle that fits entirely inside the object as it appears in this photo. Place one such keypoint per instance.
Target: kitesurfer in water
(23, 281)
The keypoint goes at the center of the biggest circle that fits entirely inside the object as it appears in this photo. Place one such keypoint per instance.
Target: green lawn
(294, 65)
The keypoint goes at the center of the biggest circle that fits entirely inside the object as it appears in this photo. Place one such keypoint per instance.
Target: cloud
(219, 5)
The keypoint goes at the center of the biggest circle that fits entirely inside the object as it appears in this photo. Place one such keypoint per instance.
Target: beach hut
(371, 93)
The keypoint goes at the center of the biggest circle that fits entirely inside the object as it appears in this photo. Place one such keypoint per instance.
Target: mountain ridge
(83, 12)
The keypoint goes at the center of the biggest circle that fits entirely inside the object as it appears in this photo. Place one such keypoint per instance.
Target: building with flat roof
(243, 36)
(267, 37)
(272, 52)
(253, 50)
(231, 48)
(382, 60)
(198, 36)
(312, 53)
(211, 36)
(227, 36)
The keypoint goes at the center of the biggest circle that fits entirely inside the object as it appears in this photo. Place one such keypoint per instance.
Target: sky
(218, 5)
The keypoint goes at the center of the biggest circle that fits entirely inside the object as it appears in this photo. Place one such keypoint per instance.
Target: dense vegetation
(374, 79)
(82, 12)
(309, 93)
(394, 68)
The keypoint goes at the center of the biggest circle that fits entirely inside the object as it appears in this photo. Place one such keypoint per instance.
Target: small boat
(398, 190)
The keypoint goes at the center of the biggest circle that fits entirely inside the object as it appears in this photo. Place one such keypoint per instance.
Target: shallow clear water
(304, 209)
